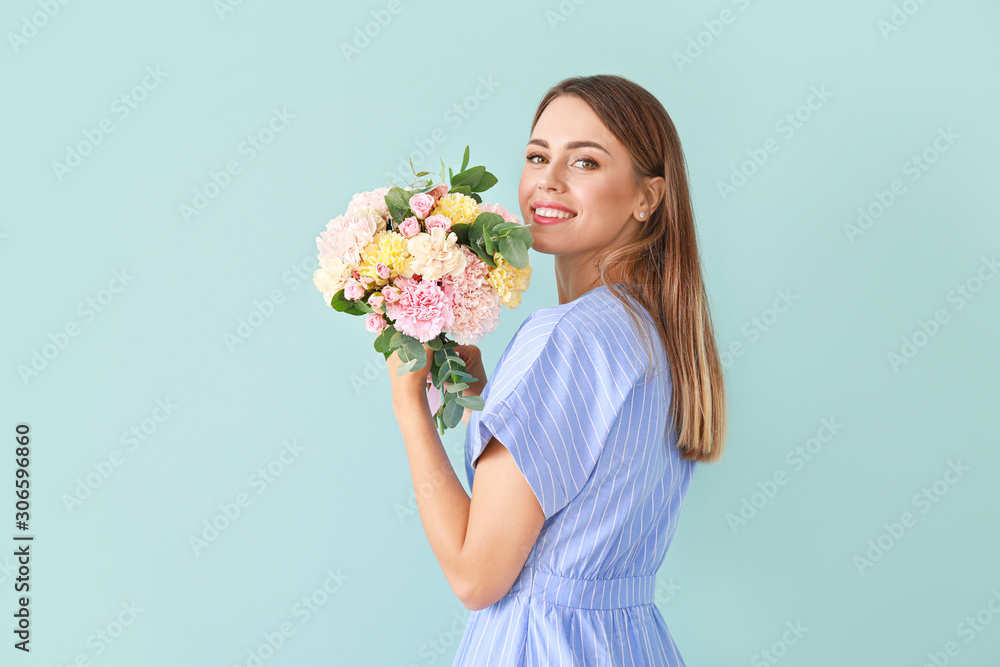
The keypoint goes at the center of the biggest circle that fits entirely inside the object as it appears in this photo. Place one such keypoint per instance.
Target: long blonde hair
(660, 268)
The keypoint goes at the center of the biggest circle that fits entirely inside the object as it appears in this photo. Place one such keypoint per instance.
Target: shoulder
(597, 325)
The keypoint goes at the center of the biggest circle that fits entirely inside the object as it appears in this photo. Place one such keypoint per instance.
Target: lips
(548, 215)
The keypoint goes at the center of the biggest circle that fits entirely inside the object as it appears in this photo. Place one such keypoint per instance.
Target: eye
(531, 157)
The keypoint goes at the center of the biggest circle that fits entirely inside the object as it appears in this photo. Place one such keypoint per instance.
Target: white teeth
(553, 213)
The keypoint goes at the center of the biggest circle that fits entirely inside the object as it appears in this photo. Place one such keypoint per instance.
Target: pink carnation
(374, 199)
(487, 207)
(346, 236)
(423, 309)
(476, 304)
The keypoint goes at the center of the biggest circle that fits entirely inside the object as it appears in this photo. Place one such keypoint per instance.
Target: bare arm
(482, 542)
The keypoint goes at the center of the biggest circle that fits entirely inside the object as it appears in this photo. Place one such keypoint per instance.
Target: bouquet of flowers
(425, 262)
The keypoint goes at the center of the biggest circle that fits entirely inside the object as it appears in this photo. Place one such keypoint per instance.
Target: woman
(582, 457)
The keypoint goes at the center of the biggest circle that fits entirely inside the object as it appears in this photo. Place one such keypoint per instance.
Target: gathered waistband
(585, 593)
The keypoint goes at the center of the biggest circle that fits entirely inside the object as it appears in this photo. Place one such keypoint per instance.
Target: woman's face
(573, 162)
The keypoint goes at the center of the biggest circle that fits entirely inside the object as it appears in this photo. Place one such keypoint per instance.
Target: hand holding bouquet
(425, 262)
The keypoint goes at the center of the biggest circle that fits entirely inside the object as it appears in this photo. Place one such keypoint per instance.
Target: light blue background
(310, 375)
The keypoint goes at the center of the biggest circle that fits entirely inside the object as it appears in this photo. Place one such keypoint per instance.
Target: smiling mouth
(551, 214)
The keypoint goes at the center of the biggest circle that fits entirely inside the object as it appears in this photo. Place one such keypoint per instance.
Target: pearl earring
(642, 215)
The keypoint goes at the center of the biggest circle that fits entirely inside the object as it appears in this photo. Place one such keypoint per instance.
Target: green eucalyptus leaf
(469, 177)
(453, 413)
(465, 159)
(487, 181)
(398, 201)
(461, 230)
(485, 256)
(407, 367)
(339, 302)
(462, 376)
(382, 341)
(471, 402)
(415, 349)
(513, 252)
(523, 234)
(489, 220)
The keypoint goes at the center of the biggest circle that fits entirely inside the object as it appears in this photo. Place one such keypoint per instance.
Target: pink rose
(375, 323)
(391, 293)
(409, 227)
(421, 204)
(438, 192)
(442, 221)
(353, 290)
(382, 270)
(376, 300)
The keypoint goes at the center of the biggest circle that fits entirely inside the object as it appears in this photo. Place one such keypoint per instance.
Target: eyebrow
(571, 144)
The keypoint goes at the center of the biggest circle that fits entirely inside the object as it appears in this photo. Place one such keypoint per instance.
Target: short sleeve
(557, 417)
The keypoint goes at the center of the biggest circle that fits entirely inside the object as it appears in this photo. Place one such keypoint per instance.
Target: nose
(551, 178)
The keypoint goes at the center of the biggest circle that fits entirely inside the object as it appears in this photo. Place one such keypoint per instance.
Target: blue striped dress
(568, 400)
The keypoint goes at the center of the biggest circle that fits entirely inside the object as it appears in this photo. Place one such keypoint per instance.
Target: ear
(653, 192)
